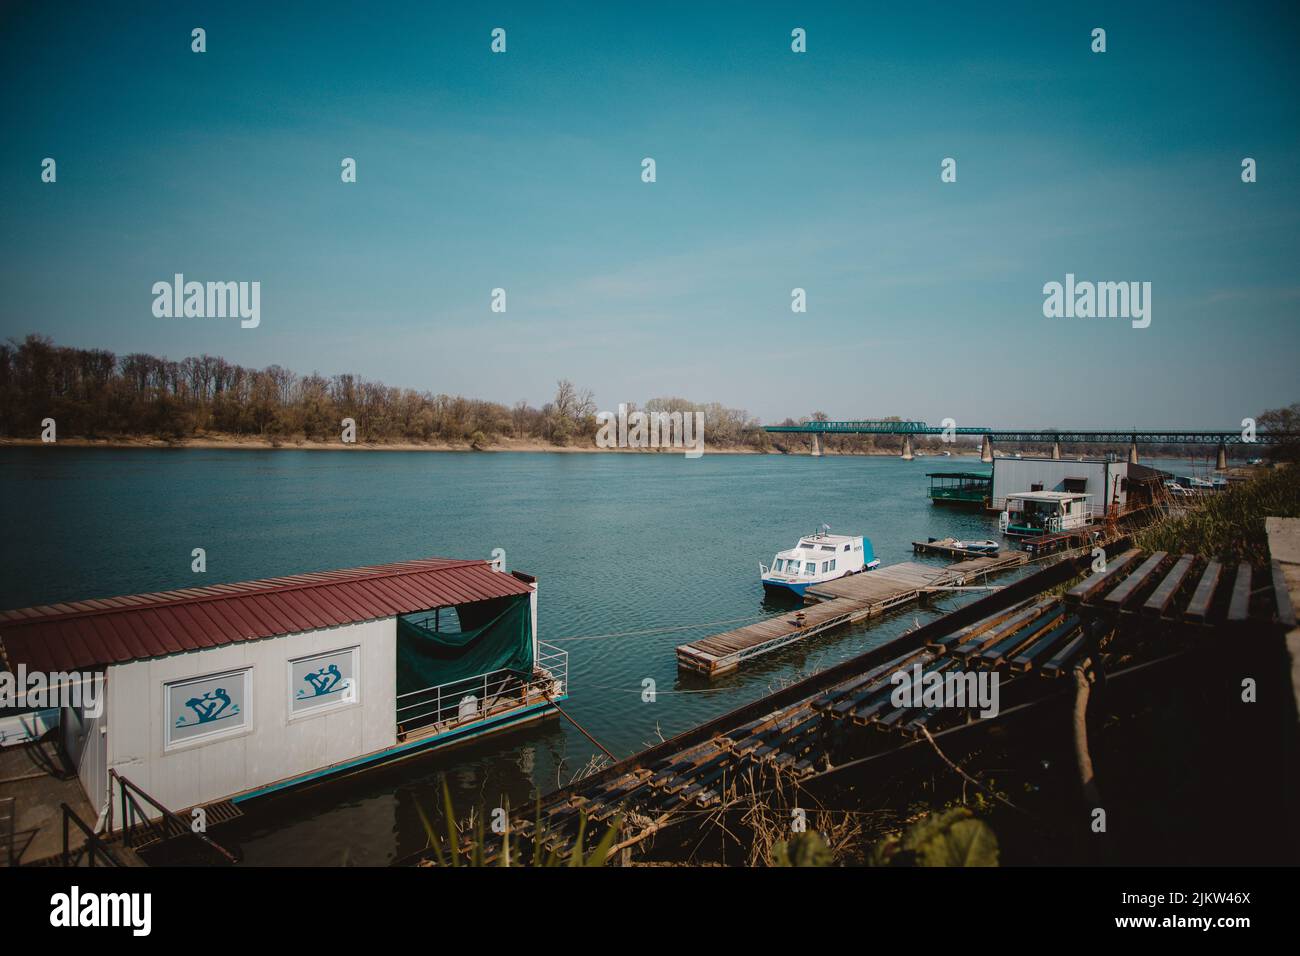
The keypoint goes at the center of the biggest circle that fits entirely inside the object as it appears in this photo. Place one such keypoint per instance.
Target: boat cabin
(1034, 513)
(967, 488)
(818, 558)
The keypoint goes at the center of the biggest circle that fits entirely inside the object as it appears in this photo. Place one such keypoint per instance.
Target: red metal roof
(87, 634)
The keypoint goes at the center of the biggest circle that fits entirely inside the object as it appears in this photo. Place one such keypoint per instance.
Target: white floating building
(1104, 482)
(232, 691)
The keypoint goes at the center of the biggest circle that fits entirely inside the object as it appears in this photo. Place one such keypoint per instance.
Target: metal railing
(460, 702)
(1045, 436)
(168, 826)
(94, 847)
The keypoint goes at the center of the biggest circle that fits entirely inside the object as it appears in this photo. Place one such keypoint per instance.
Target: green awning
(495, 635)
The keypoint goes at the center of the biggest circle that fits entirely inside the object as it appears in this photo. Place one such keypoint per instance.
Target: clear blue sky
(775, 170)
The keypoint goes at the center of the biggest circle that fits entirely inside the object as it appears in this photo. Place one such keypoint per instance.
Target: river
(635, 554)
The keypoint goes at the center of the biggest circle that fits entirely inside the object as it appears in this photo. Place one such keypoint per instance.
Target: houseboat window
(205, 707)
(810, 567)
(828, 547)
(832, 564)
(323, 681)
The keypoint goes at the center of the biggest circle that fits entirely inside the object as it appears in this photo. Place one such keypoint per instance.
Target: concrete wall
(1012, 475)
(270, 747)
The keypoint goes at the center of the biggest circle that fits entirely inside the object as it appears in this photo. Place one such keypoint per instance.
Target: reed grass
(1230, 524)
(472, 846)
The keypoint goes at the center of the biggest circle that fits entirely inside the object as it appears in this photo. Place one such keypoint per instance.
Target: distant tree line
(93, 393)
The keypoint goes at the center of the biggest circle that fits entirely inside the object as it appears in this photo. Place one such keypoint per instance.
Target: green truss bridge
(1054, 437)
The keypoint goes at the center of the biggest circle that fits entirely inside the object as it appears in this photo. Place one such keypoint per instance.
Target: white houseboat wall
(1036, 513)
(195, 712)
(1105, 482)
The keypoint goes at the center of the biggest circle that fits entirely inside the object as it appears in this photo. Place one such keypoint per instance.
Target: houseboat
(818, 558)
(963, 488)
(218, 694)
(1030, 514)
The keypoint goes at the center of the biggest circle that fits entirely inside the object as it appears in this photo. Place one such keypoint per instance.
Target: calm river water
(626, 547)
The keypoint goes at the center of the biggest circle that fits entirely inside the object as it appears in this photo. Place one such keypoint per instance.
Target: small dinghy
(981, 547)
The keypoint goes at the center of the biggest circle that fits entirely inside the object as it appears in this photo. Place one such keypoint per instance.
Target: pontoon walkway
(843, 601)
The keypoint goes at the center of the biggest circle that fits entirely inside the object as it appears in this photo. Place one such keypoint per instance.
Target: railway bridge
(1055, 437)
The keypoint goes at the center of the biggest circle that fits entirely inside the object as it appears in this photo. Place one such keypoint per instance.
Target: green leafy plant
(955, 837)
(802, 849)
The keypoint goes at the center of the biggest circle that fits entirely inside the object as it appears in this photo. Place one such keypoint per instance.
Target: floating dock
(846, 600)
(814, 739)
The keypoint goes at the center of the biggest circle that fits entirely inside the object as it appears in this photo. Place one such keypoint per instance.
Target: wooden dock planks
(804, 622)
(1199, 607)
(843, 601)
(1239, 608)
(1162, 597)
(1136, 581)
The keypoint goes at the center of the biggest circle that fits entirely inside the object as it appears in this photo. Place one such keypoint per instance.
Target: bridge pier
(1221, 462)
(1056, 451)
(907, 448)
(986, 449)
(817, 445)
(1133, 451)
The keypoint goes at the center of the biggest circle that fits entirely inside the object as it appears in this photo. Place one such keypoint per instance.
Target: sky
(775, 170)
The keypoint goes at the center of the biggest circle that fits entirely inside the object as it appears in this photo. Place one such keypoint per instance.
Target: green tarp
(494, 635)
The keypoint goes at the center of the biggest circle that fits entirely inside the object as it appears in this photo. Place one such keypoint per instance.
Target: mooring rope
(665, 630)
(566, 716)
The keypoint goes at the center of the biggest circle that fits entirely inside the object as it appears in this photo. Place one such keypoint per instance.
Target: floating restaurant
(222, 693)
(964, 488)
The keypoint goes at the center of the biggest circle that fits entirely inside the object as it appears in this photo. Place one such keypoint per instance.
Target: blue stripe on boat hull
(786, 586)
(800, 587)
